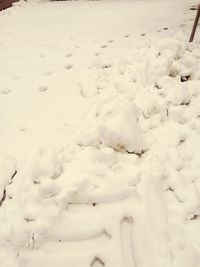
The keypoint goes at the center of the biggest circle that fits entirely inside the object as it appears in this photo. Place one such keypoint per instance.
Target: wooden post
(195, 24)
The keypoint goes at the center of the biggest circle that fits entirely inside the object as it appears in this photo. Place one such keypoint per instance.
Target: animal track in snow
(68, 66)
(106, 66)
(97, 263)
(97, 53)
(110, 41)
(104, 46)
(69, 55)
(6, 91)
(48, 73)
(42, 88)
(126, 231)
(23, 129)
(42, 55)
(16, 77)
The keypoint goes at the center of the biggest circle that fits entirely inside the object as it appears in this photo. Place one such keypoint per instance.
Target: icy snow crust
(121, 186)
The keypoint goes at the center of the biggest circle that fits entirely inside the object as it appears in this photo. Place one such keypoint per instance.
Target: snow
(99, 134)
(120, 128)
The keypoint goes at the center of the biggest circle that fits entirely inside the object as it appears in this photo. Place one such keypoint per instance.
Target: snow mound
(115, 125)
(120, 128)
(47, 163)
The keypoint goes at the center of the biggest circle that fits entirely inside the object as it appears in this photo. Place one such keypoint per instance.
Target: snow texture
(99, 135)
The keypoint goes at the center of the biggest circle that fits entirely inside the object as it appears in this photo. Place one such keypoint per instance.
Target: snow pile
(121, 130)
(116, 126)
(48, 163)
(156, 122)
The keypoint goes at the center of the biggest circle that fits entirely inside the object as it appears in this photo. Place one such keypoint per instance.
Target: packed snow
(99, 134)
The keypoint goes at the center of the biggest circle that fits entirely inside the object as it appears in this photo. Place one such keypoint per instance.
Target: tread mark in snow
(97, 263)
(126, 229)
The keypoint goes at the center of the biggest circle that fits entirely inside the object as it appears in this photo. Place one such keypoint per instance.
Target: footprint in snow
(16, 77)
(6, 91)
(106, 66)
(23, 129)
(68, 66)
(127, 35)
(48, 73)
(41, 55)
(110, 41)
(104, 46)
(69, 55)
(42, 88)
(97, 54)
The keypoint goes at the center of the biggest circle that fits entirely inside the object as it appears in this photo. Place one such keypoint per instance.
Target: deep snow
(99, 134)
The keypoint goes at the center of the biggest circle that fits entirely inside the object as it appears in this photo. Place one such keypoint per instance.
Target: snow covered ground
(99, 134)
